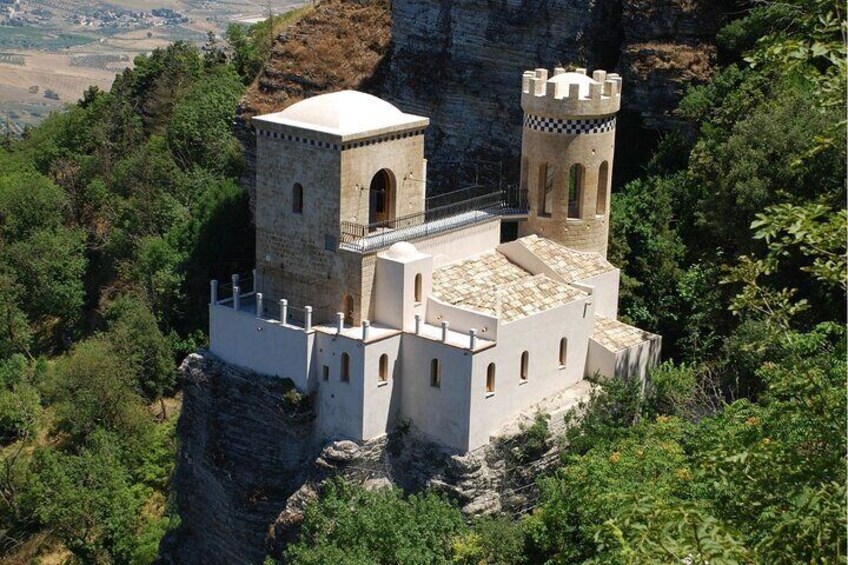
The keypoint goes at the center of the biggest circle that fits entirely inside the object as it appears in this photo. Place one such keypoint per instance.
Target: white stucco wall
(393, 300)
(600, 360)
(382, 399)
(264, 346)
(634, 362)
(461, 243)
(605, 292)
(461, 319)
(540, 336)
(442, 414)
(339, 404)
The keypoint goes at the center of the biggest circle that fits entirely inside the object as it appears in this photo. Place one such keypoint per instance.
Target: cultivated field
(58, 48)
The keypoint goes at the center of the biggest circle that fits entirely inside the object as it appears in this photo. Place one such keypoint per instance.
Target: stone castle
(391, 308)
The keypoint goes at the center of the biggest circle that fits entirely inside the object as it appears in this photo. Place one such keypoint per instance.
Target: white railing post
(235, 279)
(307, 318)
(258, 304)
(472, 339)
(339, 322)
(418, 324)
(284, 310)
(444, 331)
(213, 291)
(366, 325)
(236, 297)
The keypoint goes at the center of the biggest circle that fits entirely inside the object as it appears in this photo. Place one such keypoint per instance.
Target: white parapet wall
(264, 346)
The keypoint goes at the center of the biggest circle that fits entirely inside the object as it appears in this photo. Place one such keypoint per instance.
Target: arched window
(348, 310)
(345, 368)
(490, 378)
(297, 198)
(417, 290)
(603, 180)
(546, 188)
(563, 351)
(384, 368)
(381, 197)
(435, 373)
(575, 191)
(525, 365)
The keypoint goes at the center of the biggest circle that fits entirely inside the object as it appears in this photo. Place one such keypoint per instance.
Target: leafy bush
(20, 410)
(349, 524)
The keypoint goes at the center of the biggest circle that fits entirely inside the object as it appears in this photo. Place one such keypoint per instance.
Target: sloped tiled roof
(571, 265)
(615, 336)
(491, 284)
(455, 282)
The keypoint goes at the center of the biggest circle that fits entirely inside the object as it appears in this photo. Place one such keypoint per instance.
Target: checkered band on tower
(569, 127)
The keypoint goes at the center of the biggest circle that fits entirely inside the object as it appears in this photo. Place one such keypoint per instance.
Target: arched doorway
(381, 196)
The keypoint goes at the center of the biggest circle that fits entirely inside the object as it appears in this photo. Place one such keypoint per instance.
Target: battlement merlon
(570, 93)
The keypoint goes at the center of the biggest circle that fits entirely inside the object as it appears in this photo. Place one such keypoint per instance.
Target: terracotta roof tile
(570, 264)
(616, 336)
(491, 284)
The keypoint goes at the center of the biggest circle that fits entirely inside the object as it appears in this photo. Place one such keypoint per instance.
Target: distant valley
(52, 50)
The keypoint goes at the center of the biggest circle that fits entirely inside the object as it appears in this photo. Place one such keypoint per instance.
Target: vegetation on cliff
(114, 215)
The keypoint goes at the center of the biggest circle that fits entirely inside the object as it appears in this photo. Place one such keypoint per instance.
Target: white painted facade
(458, 334)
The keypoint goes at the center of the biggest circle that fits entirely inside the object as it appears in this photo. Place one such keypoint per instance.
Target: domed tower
(566, 155)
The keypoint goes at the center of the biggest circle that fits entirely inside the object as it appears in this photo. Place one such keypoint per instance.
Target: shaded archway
(381, 197)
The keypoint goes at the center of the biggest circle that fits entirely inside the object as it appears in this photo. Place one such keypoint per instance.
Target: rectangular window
(435, 373)
(325, 372)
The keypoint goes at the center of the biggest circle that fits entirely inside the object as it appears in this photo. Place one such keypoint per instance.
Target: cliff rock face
(340, 45)
(249, 461)
(460, 64)
(667, 46)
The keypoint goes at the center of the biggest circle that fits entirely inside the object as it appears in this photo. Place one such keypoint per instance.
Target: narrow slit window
(575, 191)
(603, 181)
(325, 369)
(345, 368)
(417, 290)
(348, 310)
(384, 368)
(490, 378)
(546, 177)
(435, 373)
(563, 351)
(297, 198)
(525, 365)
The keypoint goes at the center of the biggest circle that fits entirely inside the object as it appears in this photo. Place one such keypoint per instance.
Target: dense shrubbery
(114, 215)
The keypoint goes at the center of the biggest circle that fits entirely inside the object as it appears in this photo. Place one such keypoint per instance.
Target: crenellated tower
(566, 155)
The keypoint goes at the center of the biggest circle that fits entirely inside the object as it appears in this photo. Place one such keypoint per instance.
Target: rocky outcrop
(250, 461)
(460, 64)
(667, 45)
(340, 44)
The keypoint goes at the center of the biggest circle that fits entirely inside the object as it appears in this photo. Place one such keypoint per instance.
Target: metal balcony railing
(434, 219)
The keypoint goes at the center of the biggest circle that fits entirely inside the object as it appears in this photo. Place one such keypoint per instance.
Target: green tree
(93, 388)
(135, 337)
(349, 524)
(87, 500)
